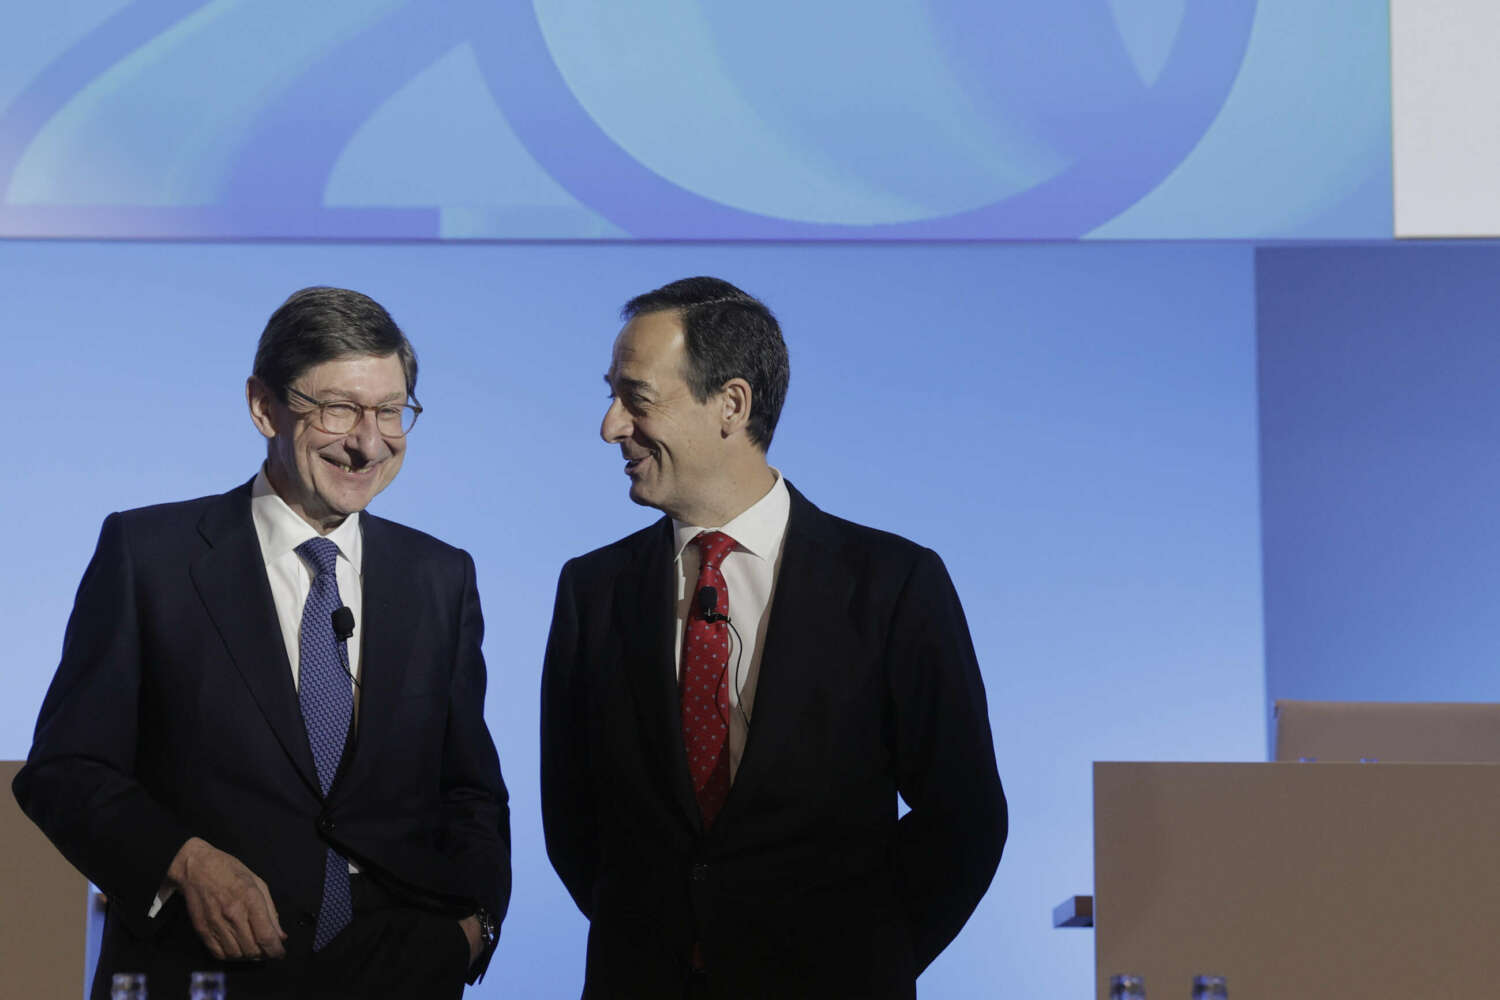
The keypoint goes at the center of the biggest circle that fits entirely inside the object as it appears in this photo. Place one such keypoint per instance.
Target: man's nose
(616, 425)
(365, 436)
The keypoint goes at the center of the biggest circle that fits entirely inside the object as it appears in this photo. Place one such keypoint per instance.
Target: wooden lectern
(43, 909)
(1299, 881)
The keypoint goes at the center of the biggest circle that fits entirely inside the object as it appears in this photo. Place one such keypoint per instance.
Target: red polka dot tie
(705, 682)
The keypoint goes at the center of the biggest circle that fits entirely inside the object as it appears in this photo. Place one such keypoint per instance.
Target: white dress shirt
(750, 572)
(280, 530)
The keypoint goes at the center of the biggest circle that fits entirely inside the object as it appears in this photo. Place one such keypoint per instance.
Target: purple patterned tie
(327, 706)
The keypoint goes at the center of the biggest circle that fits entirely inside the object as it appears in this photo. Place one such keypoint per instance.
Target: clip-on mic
(708, 603)
(343, 628)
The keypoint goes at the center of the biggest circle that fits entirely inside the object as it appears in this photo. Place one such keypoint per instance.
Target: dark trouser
(389, 950)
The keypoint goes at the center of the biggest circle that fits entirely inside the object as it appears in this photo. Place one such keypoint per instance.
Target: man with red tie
(734, 698)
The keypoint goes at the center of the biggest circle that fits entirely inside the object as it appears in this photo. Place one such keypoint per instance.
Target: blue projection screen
(681, 119)
(1072, 427)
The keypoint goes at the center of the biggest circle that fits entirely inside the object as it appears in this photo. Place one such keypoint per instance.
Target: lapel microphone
(708, 600)
(343, 623)
(343, 628)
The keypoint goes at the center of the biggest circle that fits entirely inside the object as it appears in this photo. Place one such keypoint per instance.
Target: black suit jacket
(173, 714)
(808, 884)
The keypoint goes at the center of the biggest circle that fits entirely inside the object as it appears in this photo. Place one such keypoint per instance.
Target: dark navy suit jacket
(808, 884)
(173, 714)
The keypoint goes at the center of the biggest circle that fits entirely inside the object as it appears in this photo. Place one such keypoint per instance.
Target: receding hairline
(627, 313)
(679, 333)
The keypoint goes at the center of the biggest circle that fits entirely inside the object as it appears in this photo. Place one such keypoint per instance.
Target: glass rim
(411, 410)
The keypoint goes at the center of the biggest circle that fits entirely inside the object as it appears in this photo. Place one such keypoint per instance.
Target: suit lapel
(813, 592)
(231, 581)
(646, 617)
(387, 632)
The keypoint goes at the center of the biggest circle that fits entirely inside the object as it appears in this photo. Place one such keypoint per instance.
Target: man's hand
(230, 906)
(470, 924)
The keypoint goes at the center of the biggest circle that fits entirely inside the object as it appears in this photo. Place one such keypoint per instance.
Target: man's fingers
(267, 943)
(231, 906)
(265, 926)
(265, 893)
(224, 927)
(238, 918)
(214, 948)
(210, 941)
(205, 929)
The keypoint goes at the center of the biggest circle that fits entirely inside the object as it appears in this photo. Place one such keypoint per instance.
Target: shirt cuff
(162, 895)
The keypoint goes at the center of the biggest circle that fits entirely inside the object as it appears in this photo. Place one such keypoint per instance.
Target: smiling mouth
(631, 464)
(363, 470)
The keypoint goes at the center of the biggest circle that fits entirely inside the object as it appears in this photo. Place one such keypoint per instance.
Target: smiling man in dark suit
(734, 698)
(253, 791)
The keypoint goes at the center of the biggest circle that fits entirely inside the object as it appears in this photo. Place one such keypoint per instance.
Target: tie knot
(714, 545)
(322, 553)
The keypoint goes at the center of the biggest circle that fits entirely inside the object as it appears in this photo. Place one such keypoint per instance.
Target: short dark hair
(729, 334)
(321, 324)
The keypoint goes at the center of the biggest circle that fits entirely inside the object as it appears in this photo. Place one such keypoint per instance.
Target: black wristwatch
(489, 931)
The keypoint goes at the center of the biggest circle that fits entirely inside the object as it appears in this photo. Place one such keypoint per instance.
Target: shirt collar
(281, 529)
(758, 530)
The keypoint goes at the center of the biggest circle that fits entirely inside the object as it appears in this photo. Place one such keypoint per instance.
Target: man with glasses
(265, 741)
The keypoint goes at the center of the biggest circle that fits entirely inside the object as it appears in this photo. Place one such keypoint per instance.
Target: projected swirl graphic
(592, 119)
(945, 119)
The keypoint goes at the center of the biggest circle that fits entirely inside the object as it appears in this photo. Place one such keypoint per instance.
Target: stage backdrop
(1380, 440)
(1071, 427)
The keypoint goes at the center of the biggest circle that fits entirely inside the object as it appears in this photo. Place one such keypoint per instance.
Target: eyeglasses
(340, 416)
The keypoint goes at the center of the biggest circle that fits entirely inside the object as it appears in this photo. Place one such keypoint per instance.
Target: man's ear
(260, 399)
(734, 406)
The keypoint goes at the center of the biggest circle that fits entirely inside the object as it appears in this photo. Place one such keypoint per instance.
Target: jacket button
(325, 824)
(305, 919)
(700, 872)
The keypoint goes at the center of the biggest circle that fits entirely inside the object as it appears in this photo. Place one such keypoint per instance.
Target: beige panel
(1390, 732)
(1299, 881)
(43, 908)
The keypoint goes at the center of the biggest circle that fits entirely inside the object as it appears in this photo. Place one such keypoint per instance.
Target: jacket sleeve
(79, 781)
(476, 804)
(567, 800)
(949, 843)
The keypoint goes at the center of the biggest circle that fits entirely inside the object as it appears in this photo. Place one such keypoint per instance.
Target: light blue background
(1073, 427)
(1380, 482)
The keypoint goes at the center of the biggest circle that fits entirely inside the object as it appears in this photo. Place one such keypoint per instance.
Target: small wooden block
(1075, 911)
